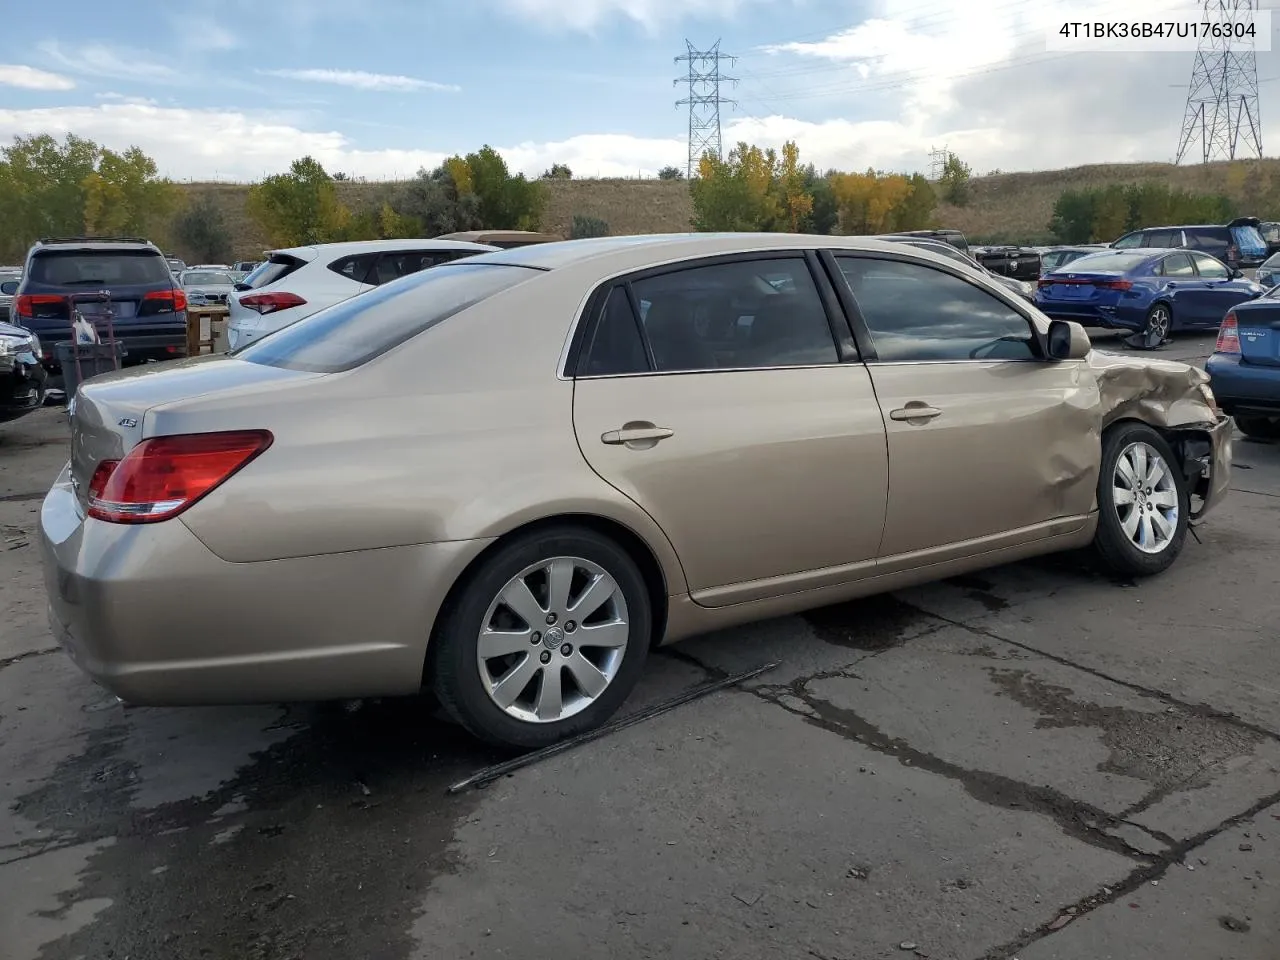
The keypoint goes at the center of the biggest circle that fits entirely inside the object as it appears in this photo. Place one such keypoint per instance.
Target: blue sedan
(1153, 292)
(1244, 371)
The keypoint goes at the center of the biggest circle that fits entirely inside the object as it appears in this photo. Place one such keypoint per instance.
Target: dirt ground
(1035, 762)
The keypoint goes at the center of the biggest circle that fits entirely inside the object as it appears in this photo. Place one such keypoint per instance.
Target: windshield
(355, 331)
(1106, 262)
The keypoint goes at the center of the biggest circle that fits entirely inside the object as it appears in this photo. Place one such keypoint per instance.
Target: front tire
(544, 641)
(1260, 428)
(1143, 503)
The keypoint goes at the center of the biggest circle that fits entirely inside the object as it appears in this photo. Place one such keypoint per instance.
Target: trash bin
(95, 358)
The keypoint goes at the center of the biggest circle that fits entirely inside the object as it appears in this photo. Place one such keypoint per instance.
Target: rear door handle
(914, 411)
(636, 434)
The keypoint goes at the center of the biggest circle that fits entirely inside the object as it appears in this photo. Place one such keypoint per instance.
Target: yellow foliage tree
(796, 200)
(867, 201)
(460, 170)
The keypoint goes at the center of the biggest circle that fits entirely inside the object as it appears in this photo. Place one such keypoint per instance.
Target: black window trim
(862, 332)
(589, 318)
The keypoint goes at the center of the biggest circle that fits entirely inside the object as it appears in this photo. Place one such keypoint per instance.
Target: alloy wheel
(553, 639)
(1145, 496)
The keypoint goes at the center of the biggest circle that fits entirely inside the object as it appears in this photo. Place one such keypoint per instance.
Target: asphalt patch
(322, 848)
(873, 624)
(1171, 749)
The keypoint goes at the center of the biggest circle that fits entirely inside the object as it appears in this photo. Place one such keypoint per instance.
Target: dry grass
(1016, 206)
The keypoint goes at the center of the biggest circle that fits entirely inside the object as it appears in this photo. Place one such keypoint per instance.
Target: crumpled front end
(1175, 398)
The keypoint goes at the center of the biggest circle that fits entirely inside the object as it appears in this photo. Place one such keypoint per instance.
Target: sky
(237, 89)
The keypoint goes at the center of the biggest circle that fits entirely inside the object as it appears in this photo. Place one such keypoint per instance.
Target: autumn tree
(433, 201)
(955, 181)
(49, 188)
(299, 207)
(505, 201)
(752, 189)
(868, 201)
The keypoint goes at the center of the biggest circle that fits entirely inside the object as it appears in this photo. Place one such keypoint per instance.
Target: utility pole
(938, 162)
(704, 100)
(1222, 102)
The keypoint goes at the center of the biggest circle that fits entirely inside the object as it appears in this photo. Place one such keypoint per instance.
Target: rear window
(1107, 262)
(84, 268)
(203, 277)
(277, 268)
(1248, 237)
(355, 331)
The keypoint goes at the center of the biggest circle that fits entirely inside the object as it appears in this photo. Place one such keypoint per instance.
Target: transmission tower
(938, 162)
(1222, 102)
(704, 100)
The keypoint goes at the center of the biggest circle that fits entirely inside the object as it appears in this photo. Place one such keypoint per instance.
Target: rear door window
(1177, 265)
(1161, 238)
(1209, 268)
(357, 330)
(400, 263)
(84, 268)
(279, 266)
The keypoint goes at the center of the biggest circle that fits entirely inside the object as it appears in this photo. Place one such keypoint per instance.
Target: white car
(292, 284)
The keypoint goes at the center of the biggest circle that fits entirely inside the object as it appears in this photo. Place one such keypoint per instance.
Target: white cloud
(29, 78)
(586, 15)
(205, 33)
(360, 80)
(99, 60)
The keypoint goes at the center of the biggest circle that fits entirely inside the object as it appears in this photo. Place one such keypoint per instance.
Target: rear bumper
(1108, 318)
(1243, 387)
(155, 617)
(153, 345)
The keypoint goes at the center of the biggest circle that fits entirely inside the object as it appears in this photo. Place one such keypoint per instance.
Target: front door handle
(638, 432)
(915, 412)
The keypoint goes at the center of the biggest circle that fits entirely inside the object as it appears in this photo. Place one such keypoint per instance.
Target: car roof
(374, 246)
(94, 243)
(639, 251)
(501, 236)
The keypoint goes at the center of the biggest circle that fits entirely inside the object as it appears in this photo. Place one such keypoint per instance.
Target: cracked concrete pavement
(1031, 762)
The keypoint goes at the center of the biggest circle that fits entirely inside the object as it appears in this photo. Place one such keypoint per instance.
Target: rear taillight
(1114, 284)
(1228, 335)
(271, 302)
(25, 304)
(163, 476)
(1045, 282)
(1233, 252)
(166, 300)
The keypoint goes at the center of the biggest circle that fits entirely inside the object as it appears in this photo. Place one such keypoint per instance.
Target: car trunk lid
(1084, 287)
(1259, 332)
(110, 414)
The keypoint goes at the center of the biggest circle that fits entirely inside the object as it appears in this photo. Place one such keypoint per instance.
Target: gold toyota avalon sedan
(509, 477)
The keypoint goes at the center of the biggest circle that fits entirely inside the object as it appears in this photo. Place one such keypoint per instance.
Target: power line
(704, 100)
(1222, 102)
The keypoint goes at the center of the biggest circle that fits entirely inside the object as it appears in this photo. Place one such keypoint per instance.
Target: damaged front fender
(1174, 398)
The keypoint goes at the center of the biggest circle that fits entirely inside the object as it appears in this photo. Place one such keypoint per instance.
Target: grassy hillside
(1011, 206)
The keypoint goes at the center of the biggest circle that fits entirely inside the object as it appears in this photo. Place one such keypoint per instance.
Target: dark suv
(148, 306)
(1237, 244)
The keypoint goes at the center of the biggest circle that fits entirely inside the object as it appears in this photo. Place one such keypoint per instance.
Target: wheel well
(1190, 445)
(655, 583)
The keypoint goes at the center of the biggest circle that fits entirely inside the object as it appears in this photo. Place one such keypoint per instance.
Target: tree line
(1105, 213)
(77, 187)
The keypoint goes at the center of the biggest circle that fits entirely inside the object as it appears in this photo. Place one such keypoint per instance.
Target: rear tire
(562, 667)
(1159, 319)
(1260, 428)
(1143, 504)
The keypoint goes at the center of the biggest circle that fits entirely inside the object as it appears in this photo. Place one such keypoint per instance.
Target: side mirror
(9, 288)
(1237, 274)
(1068, 341)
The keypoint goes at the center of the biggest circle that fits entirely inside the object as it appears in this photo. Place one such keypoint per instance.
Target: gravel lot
(1035, 762)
